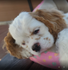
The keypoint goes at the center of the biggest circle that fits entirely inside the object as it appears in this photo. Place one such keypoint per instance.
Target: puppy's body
(34, 32)
(62, 44)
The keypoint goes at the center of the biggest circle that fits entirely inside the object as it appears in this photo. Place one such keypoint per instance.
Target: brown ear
(12, 48)
(52, 19)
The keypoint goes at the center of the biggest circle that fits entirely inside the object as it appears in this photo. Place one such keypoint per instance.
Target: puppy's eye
(36, 31)
(23, 43)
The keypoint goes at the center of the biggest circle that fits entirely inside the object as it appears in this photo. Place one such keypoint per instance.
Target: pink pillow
(48, 59)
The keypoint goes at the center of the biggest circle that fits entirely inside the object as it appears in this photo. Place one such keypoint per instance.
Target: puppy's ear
(52, 19)
(13, 48)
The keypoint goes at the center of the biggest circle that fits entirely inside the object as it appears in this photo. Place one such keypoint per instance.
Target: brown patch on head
(40, 35)
(31, 34)
(52, 19)
(47, 38)
(12, 48)
(31, 37)
(37, 38)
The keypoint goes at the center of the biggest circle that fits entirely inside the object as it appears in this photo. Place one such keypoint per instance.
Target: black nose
(36, 47)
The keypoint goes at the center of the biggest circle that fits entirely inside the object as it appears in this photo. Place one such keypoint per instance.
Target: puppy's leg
(62, 44)
(25, 54)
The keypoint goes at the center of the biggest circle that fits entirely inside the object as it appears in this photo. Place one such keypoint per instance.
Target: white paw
(25, 54)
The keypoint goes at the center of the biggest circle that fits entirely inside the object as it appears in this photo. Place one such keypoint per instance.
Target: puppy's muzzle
(36, 47)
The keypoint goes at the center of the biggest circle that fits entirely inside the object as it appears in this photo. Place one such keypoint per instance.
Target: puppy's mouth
(36, 47)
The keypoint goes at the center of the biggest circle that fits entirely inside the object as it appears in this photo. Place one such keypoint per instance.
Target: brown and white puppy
(33, 32)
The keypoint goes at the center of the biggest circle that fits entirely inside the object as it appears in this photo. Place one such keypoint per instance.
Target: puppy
(32, 33)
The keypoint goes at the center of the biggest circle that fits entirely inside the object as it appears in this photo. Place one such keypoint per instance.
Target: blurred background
(9, 9)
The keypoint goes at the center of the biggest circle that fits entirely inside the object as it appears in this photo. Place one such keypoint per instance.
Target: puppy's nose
(36, 47)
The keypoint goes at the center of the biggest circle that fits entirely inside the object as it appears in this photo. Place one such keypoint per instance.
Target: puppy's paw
(26, 54)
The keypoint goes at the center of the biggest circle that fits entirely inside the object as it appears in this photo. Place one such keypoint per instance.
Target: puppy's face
(31, 34)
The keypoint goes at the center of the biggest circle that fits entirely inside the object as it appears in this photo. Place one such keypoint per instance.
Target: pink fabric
(38, 6)
(48, 59)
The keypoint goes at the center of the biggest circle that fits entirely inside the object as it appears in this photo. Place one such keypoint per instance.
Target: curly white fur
(62, 44)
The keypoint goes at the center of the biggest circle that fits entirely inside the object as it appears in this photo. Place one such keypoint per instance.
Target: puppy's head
(33, 32)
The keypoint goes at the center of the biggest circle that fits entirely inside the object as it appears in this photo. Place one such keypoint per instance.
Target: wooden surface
(9, 9)
(3, 32)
